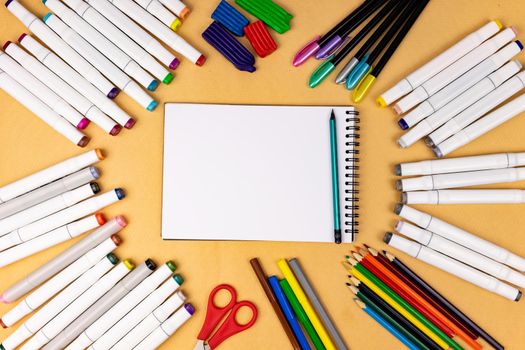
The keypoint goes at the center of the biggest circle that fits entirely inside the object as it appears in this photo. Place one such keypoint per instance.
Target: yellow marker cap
(176, 24)
(362, 88)
(498, 22)
(129, 264)
(381, 102)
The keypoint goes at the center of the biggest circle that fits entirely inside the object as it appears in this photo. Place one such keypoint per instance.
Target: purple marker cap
(189, 308)
(8, 2)
(306, 52)
(174, 64)
(331, 45)
(84, 122)
(113, 93)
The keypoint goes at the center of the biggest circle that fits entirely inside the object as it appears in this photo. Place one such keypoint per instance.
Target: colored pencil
(335, 179)
(443, 301)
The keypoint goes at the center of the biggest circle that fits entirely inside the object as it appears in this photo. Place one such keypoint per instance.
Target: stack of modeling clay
(229, 22)
(94, 51)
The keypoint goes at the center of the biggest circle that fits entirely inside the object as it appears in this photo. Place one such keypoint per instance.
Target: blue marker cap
(44, 2)
(519, 44)
(120, 193)
(152, 105)
(402, 124)
(357, 74)
(49, 14)
(6, 5)
(153, 85)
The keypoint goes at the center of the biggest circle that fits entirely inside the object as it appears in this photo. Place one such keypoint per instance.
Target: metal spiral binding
(351, 173)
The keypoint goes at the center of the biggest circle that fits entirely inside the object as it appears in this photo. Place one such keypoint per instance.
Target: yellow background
(134, 160)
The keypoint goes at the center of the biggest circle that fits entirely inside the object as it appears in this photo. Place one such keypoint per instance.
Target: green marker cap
(171, 265)
(178, 278)
(113, 258)
(168, 78)
(321, 72)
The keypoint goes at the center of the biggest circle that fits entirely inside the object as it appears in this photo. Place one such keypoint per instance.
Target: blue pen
(288, 313)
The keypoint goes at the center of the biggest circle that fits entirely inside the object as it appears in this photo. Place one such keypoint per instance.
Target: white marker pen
(78, 306)
(459, 164)
(460, 253)
(121, 40)
(167, 328)
(100, 62)
(41, 91)
(464, 197)
(460, 236)
(41, 110)
(456, 69)
(61, 280)
(157, 28)
(158, 10)
(126, 304)
(62, 49)
(459, 104)
(452, 266)
(59, 302)
(464, 82)
(139, 312)
(464, 179)
(78, 82)
(135, 32)
(177, 7)
(150, 322)
(481, 126)
(55, 83)
(440, 62)
(48, 207)
(77, 211)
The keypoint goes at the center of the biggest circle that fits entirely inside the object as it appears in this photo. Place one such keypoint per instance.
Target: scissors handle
(215, 313)
(231, 326)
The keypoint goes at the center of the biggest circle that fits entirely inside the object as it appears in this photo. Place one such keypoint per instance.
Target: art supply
(438, 63)
(115, 55)
(41, 91)
(218, 37)
(288, 312)
(55, 265)
(230, 18)
(452, 266)
(100, 62)
(135, 32)
(461, 164)
(121, 40)
(460, 236)
(78, 306)
(335, 178)
(60, 87)
(155, 8)
(460, 253)
(45, 314)
(269, 12)
(262, 278)
(55, 43)
(157, 28)
(305, 303)
(455, 70)
(139, 312)
(58, 282)
(461, 84)
(219, 323)
(461, 105)
(150, 322)
(442, 300)
(316, 303)
(44, 225)
(78, 82)
(50, 239)
(260, 38)
(122, 307)
(463, 197)
(167, 328)
(41, 110)
(464, 179)
(177, 7)
(294, 203)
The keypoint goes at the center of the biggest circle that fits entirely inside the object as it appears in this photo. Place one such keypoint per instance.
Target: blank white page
(235, 172)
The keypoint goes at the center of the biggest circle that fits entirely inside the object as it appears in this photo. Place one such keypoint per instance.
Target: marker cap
(175, 24)
(152, 105)
(174, 64)
(178, 278)
(113, 258)
(414, 232)
(355, 76)
(116, 239)
(420, 197)
(343, 74)
(190, 308)
(171, 265)
(363, 88)
(129, 264)
(151, 264)
(184, 12)
(120, 193)
(101, 219)
(168, 78)
(121, 220)
(306, 52)
(409, 247)
(321, 72)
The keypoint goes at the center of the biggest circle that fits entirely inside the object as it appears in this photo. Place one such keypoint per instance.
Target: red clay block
(260, 38)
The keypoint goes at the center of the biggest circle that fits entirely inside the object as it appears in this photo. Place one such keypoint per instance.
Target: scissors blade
(201, 345)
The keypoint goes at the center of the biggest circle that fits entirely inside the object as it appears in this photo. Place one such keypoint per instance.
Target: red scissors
(215, 314)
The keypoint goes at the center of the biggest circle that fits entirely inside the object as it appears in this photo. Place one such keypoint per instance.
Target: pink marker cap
(6, 45)
(130, 123)
(84, 122)
(115, 131)
(121, 220)
(21, 37)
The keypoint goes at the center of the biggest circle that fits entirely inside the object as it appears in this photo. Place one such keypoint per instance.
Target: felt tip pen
(177, 7)
(460, 106)
(438, 63)
(335, 179)
(460, 253)
(122, 307)
(120, 39)
(58, 282)
(96, 310)
(460, 236)
(78, 82)
(455, 70)
(78, 306)
(55, 43)
(452, 266)
(158, 10)
(167, 328)
(99, 41)
(505, 196)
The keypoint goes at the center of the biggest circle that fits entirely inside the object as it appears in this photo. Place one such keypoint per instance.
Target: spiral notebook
(250, 172)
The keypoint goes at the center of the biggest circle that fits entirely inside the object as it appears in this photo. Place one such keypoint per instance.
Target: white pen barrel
(177, 7)
(160, 12)
(464, 197)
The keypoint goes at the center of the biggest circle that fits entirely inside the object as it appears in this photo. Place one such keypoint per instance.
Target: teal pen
(335, 178)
